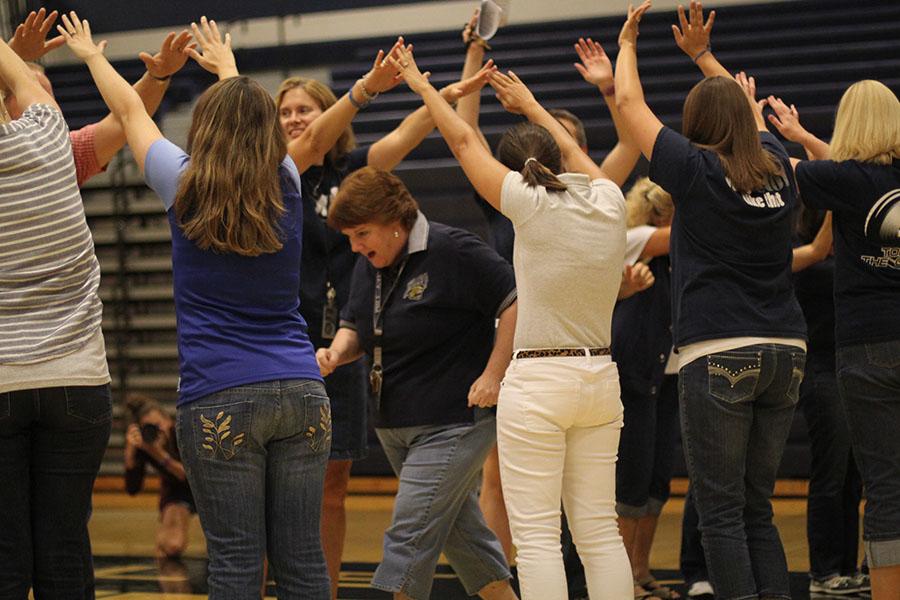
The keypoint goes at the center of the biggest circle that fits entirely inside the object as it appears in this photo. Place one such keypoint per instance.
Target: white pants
(558, 424)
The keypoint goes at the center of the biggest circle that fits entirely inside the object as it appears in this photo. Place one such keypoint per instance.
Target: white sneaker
(700, 588)
(836, 585)
(862, 582)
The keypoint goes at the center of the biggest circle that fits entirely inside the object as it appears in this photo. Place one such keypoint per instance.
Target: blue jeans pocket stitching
(318, 424)
(798, 368)
(218, 437)
(728, 374)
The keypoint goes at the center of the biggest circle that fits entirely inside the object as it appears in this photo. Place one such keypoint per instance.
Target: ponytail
(536, 174)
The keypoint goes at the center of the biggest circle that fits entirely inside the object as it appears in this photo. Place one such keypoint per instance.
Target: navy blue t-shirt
(438, 323)
(237, 316)
(327, 256)
(731, 252)
(865, 200)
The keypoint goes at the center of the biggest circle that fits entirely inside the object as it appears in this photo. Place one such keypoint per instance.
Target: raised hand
(171, 57)
(77, 34)
(748, 85)
(511, 92)
(453, 92)
(693, 36)
(384, 75)
(629, 32)
(216, 55)
(468, 32)
(595, 66)
(30, 40)
(402, 59)
(786, 120)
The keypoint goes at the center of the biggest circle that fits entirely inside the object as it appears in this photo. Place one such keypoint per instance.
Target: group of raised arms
(511, 381)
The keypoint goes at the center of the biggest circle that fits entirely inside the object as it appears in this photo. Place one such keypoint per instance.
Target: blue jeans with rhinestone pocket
(255, 458)
(737, 408)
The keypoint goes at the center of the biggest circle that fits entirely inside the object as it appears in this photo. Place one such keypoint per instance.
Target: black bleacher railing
(807, 52)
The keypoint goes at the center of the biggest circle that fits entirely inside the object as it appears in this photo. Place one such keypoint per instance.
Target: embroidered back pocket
(733, 376)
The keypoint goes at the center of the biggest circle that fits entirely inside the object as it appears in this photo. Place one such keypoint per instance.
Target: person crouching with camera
(150, 438)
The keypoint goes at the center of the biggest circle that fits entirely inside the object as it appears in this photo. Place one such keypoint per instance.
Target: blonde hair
(646, 202)
(229, 198)
(867, 125)
(325, 98)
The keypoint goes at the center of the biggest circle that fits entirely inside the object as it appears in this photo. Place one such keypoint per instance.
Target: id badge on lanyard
(330, 314)
(376, 374)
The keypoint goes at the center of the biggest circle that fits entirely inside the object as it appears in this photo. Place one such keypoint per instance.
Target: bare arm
(109, 136)
(816, 251)
(21, 80)
(638, 119)
(122, 100)
(517, 98)
(486, 389)
(787, 121)
(596, 69)
(317, 140)
(387, 152)
(344, 349)
(483, 170)
(469, 107)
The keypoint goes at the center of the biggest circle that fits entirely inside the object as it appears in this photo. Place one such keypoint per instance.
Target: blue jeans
(736, 412)
(437, 508)
(255, 459)
(646, 449)
(52, 441)
(835, 487)
(869, 383)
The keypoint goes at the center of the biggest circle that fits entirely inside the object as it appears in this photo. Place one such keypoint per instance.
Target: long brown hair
(230, 198)
(372, 195)
(718, 117)
(527, 140)
(325, 98)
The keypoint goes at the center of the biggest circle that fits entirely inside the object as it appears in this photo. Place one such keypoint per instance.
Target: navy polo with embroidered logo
(731, 252)
(438, 323)
(866, 269)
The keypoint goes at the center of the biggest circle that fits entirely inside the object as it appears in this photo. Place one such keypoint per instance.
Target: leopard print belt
(556, 352)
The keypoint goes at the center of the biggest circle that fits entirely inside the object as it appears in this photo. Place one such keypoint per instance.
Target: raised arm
(320, 136)
(517, 98)
(120, 97)
(109, 136)
(636, 116)
(215, 53)
(596, 69)
(693, 39)
(387, 152)
(469, 107)
(748, 85)
(787, 122)
(30, 40)
(21, 80)
(481, 168)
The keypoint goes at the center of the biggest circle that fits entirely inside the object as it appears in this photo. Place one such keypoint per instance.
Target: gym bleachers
(806, 52)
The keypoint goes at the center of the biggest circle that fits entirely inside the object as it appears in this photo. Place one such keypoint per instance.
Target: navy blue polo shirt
(326, 256)
(731, 252)
(642, 333)
(864, 198)
(438, 323)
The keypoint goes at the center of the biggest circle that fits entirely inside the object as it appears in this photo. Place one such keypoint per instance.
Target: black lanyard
(376, 375)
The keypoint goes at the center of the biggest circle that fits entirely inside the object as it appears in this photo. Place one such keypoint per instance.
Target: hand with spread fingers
(512, 93)
(77, 34)
(786, 120)
(171, 57)
(453, 92)
(405, 63)
(693, 36)
(30, 40)
(384, 75)
(216, 55)
(595, 66)
(629, 33)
